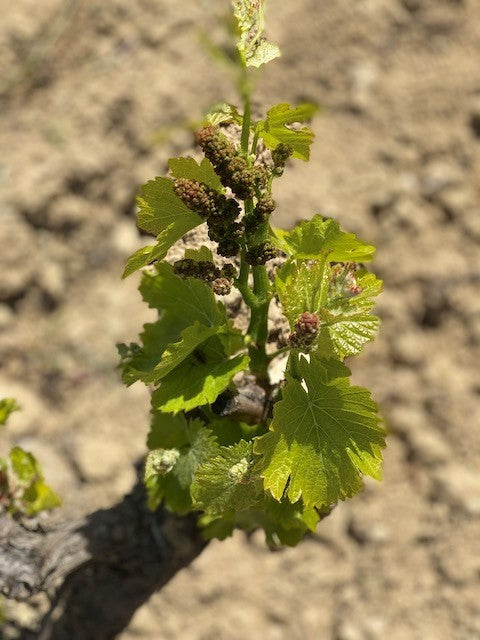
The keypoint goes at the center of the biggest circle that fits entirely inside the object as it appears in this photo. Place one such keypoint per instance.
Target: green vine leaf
(189, 168)
(24, 466)
(174, 354)
(39, 497)
(162, 213)
(138, 362)
(196, 383)
(253, 47)
(169, 469)
(323, 437)
(228, 431)
(191, 337)
(146, 255)
(160, 207)
(276, 128)
(262, 53)
(165, 430)
(227, 482)
(35, 494)
(345, 322)
(302, 287)
(224, 114)
(189, 316)
(317, 238)
(283, 522)
(188, 300)
(7, 406)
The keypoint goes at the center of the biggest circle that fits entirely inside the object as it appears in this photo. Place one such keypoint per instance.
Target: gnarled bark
(98, 570)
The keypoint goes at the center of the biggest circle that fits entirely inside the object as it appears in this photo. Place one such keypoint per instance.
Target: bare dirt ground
(88, 93)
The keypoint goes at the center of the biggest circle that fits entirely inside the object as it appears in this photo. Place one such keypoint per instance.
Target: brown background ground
(87, 91)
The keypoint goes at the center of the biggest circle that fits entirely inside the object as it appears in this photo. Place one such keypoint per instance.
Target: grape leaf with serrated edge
(282, 522)
(35, 494)
(273, 129)
(190, 169)
(262, 53)
(195, 444)
(160, 207)
(227, 482)
(223, 113)
(167, 343)
(323, 437)
(174, 354)
(228, 489)
(166, 429)
(254, 49)
(186, 305)
(195, 383)
(146, 255)
(137, 361)
(314, 239)
(345, 322)
(7, 406)
(182, 298)
(302, 288)
(162, 213)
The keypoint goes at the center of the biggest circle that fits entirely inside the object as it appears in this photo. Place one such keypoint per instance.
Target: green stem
(258, 327)
(246, 93)
(253, 149)
(293, 365)
(257, 300)
(246, 125)
(242, 282)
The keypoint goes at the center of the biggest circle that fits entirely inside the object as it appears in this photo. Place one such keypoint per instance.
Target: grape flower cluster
(246, 182)
(220, 279)
(343, 281)
(305, 331)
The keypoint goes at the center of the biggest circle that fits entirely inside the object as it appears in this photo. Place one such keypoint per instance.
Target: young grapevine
(283, 453)
(23, 490)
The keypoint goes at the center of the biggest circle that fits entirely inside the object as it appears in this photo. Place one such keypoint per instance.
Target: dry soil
(94, 97)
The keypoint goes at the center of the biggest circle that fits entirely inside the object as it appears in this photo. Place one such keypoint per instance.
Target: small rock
(7, 316)
(363, 76)
(17, 258)
(68, 212)
(375, 628)
(409, 348)
(404, 419)
(440, 175)
(349, 631)
(125, 238)
(429, 446)
(51, 279)
(457, 200)
(100, 460)
(460, 486)
(361, 530)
